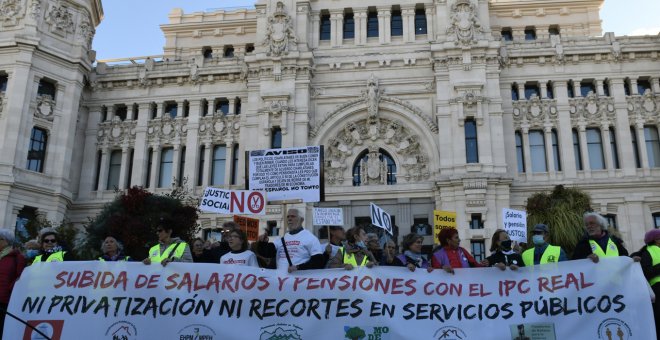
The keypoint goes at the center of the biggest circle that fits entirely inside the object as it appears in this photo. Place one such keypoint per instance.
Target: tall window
(276, 138)
(656, 220)
(207, 52)
(46, 87)
(372, 23)
(611, 220)
(606, 88)
(121, 111)
(186, 108)
(570, 89)
(550, 90)
(222, 105)
(228, 51)
(627, 87)
(476, 222)
(471, 146)
(171, 109)
(643, 85)
(165, 173)
(615, 151)
(182, 166)
(130, 168)
(420, 21)
(520, 155)
(4, 79)
(586, 87)
(514, 92)
(531, 90)
(37, 150)
(234, 165)
(530, 33)
(114, 170)
(349, 26)
(205, 107)
(237, 106)
(652, 146)
(384, 159)
(507, 34)
(555, 150)
(249, 48)
(478, 250)
(595, 149)
(97, 177)
(200, 170)
(553, 30)
(537, 151)
(219, 163)
(396, 22)
(576, 150)
(324, 31)
(633, 137)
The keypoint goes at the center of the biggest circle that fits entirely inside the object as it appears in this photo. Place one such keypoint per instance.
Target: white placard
(287, 174)
(515, 224)
(328, 216)
(238, 202)
(381, 218)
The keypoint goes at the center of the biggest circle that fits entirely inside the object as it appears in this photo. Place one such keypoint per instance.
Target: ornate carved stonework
(373, 169)
(394, 135)
(372, 96)
(219, 128)
(11, 11)
(464, 25)
(168, 130)
(45, 107)
(35, 9)
(592, 109)
(277, 110)
(116, 133)
(645, 108)
(60, 19)
(279, 32)
(503, 55)
(2, 102)
(86, 32)
(535, 111)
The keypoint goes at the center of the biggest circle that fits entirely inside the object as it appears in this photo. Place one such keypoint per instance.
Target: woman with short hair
(239, 254)
(412, 257)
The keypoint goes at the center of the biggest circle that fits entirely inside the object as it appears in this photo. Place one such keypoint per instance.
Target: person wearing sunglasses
(169, 249)
(51, 249)
(542, 252)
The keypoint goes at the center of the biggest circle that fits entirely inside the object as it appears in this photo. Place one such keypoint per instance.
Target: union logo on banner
(51, 328)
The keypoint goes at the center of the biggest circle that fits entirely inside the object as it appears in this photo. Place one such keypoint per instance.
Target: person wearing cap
(598, 242)
(542, 252)
(650, 261)
(169, 249)
(336, 236)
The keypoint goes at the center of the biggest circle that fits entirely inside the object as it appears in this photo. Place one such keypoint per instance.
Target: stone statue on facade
(372, 97)
(35, 9)
(60, 19)
(373, 168)
(279, 32)
(463, 22)
(503, 56)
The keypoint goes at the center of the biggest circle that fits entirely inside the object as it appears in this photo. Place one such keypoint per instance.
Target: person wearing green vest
(169, 249)
(113, 250)
(542, 252)
(51, 250)
(354, 252)
(650, 260)
(598, 242)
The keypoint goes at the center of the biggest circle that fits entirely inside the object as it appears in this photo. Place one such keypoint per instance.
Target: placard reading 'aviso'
(119, 300)
(287, 174)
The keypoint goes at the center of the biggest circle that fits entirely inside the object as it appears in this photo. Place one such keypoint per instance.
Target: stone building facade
(462, 105)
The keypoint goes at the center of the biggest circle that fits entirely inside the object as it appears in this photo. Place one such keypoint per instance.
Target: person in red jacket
(12, 263)
(452, 255)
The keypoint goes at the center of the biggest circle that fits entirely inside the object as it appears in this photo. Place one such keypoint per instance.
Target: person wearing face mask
(542, 252)
(598, 242)
(452, 255)
(31, 250)
(354, 253)
(502, 253)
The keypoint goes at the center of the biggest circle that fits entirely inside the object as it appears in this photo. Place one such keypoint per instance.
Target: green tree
(355, 333)
(133, 216)
(562, 211)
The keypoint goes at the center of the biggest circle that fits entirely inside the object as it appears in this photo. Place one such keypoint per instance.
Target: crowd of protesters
(299, 249)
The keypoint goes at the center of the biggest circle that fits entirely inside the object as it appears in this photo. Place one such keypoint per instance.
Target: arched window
(374, 167)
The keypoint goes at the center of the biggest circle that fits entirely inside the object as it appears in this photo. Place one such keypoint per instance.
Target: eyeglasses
(160, 230)
(537, 233)
(50, 240)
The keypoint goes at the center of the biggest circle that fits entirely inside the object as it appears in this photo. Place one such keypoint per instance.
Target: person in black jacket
(650, 260)
(503, 254)
(598, 242)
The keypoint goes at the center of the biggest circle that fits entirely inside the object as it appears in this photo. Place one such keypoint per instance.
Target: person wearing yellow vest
(598, 242)
(51, 250)
(169, 249)
(113, 250)
(650, 261)
(542, 252)
(354, 252)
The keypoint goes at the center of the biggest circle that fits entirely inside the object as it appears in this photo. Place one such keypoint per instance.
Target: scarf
(5, 252)
(418, 258)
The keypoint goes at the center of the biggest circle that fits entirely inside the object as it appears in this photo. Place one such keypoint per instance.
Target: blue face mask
(361, 245)
(32, 253)
(538, 239)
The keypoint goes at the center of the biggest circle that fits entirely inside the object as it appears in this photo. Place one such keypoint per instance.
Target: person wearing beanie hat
(542, 252)
(598, 242)
(650, 261)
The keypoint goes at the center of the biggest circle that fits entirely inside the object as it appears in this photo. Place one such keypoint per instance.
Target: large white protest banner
(328, 216)
(240, 202)
(287, 174)
(381, 218)
(515, 224)
(100, 300)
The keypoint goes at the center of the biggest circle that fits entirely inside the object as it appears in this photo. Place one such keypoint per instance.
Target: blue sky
(132, 28)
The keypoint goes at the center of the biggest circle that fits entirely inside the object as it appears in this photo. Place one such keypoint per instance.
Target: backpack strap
(286, 251)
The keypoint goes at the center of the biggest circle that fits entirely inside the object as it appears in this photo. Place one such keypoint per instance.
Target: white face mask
(538, 239)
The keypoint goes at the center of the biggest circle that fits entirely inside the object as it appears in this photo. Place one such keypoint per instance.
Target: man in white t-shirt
(303, 248)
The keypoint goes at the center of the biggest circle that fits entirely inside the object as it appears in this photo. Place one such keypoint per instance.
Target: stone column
(140, 156)
(192, 143)
(155, 167)
(641, 144)
(549, 151)
(576, 89)
(565, 130)
(408, 21)
(586, 165)
(607, 147)
(521, 92)
(360, 20)
(633, 87)
(600, 90)
(624, 138)
(384, 32)
(87, 184)
(655, 84)
(103, 172)
(336, 28)
(526, 152)
(316, 29)
(229, 161)
(429, 23)
(176, 162)
(544, 90)
(123, 172)
(208, 160)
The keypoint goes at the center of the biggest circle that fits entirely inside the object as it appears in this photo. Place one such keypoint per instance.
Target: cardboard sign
(328, 216)
(441, 220)
(381, 218)
(243, 202)
(287, 174)
(515, 224)
(249, 225)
